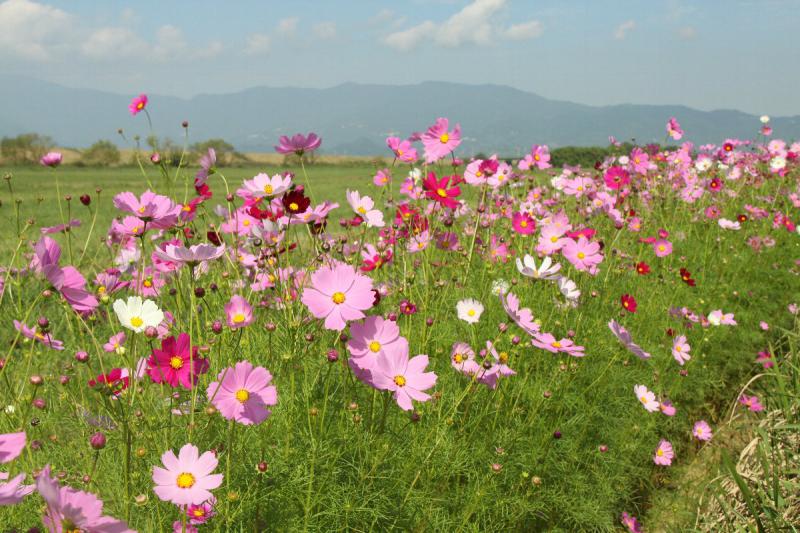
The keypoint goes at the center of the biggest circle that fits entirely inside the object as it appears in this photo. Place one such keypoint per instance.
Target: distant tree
(225, 150)
(101, 153)
(27, 148)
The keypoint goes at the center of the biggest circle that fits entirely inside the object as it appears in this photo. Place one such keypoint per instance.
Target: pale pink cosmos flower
(702, 431)
(365, 208)
(500, 361)
(159, 212)
(45, 338)
(83, 511)
(718, 318)
(243, 393)
(664, 453)
(404, 377)
(115, 343)
(338, 294)
(138, 104)
(11, 446)
(646, 397)
(680, 349)
(724, 223)
(263, 185)
(462, 358)
(381, 178)
(187, 478)
(371, 339)
(522, 317)
(438, 141)
(193, 255)
(12, 492)
(239, 312)
(403, 149)
(583, 254)
(538, 158)
(625, 338)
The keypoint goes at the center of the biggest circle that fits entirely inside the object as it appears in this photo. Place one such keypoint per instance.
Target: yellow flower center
(148, 283)
(471, 312)
(537, 157)
(375, 346)
(661, 247)
(338, 298)
(136, 321)
(362, 210)
(399, 152)
(199, 512)
(553, 239)
(186, 480)
(441, 192)
(176, 362)
(101, 290)
(678, 348)
(246, 222)
(581, 255)
(524, 223)
(555, 344)
(238, 318)
(643, 399)
(293, 206)
(503, 357)
(660, 452)
(458, 358)
(140, 106)
(267, 189)
(141, 210)
(444, 137)
(242, 395)
(400, 381)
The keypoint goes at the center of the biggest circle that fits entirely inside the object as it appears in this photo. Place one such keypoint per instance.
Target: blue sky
(740, 54)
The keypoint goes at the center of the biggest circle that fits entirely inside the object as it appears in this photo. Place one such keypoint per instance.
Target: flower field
(446, 343)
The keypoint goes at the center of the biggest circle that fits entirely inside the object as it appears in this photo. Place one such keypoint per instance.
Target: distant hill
(355, 119)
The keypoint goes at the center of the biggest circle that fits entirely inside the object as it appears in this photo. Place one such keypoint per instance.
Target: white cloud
(31, 30)
(113, 43)
(325, 30)
(623, 29)
(473, 24)
(288, 26)
(687, 32)
(258, 44)
(525, 31)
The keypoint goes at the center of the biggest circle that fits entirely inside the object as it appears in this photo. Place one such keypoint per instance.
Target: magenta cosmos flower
(338, 294)
(51, 159)
(69, 509)
(583, 254)
(702, 431)
(438, 141)
(157, 211)
(68, 281)
(523, 223)
(664, 453)
(298, 144)
(403, 150)
(175, 364)
(238, 312)
(187, 478)
(138, 104)
(751, 402)
(243, 393)
(438, 191)
(405, 378)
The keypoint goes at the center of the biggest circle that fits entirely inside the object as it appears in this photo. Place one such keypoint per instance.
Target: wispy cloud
(257, 44)
(288, 26)
(622, 30)
(324, 30)
(524, 31)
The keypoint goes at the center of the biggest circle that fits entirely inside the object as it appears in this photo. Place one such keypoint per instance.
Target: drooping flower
(138, 104)
(666, 407)
(664, 453)
(646, 397)
(625, 338)
(69, 509)
(438, 141)
(338, 294)
(138, 315)
(243, 393)
(405, 377)
(187, 478)
(238, 312)
(547, 270)
(702, 431)
(175, 364)
(680, 349)
(469, 310)
(298, 144)
(522, 317)
(193, 255)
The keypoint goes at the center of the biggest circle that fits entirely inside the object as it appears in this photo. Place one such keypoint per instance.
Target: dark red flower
(295, 202)
(112, 383)
(686, 276)
(642, 268)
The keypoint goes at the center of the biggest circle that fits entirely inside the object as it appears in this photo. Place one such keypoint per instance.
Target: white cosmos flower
(500, 286)
(724, 223)
(568, 288)
(777, 163)
(647, 398)
(764, 119)
(623, 160)
(469, 310)
(138, 315)
(547, 270)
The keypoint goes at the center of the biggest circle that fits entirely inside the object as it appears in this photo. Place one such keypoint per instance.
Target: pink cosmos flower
(751, 402)
(616, 177)
(646, 397)
(662, 247)
(338, 294)
(364, 207)
(539, 158)
(702, 431)
(239, 312)
(51, 159)
(718, 318)
(680, 349)
(438, 190)
(159, 212)
(625, 338)
(521, 317)
(298, 144)
(406, 378)
(370, 340)
(766, 360)
(138, 104)
(381, 178)
(187, 478)
(11, 446)
(500, 365)
(523, 223)
(115, 343)
(546, 341)
(68, 281)
(12, 492)
(438, 141)
(45, 338)
(462, 358)
(262, 185)
(664, 453)
(674, 129)
(175, 364)
(498, 250)
(666, 407)
(60, 228)
(78, 510)
(630, 522)
(243, 393)
(193, 255)
(201, 513)
(403, 149)
(583, 254)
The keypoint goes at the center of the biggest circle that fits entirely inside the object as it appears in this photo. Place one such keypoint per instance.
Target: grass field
(563, 445)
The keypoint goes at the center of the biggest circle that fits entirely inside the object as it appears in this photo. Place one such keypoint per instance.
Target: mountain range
(355, 119)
